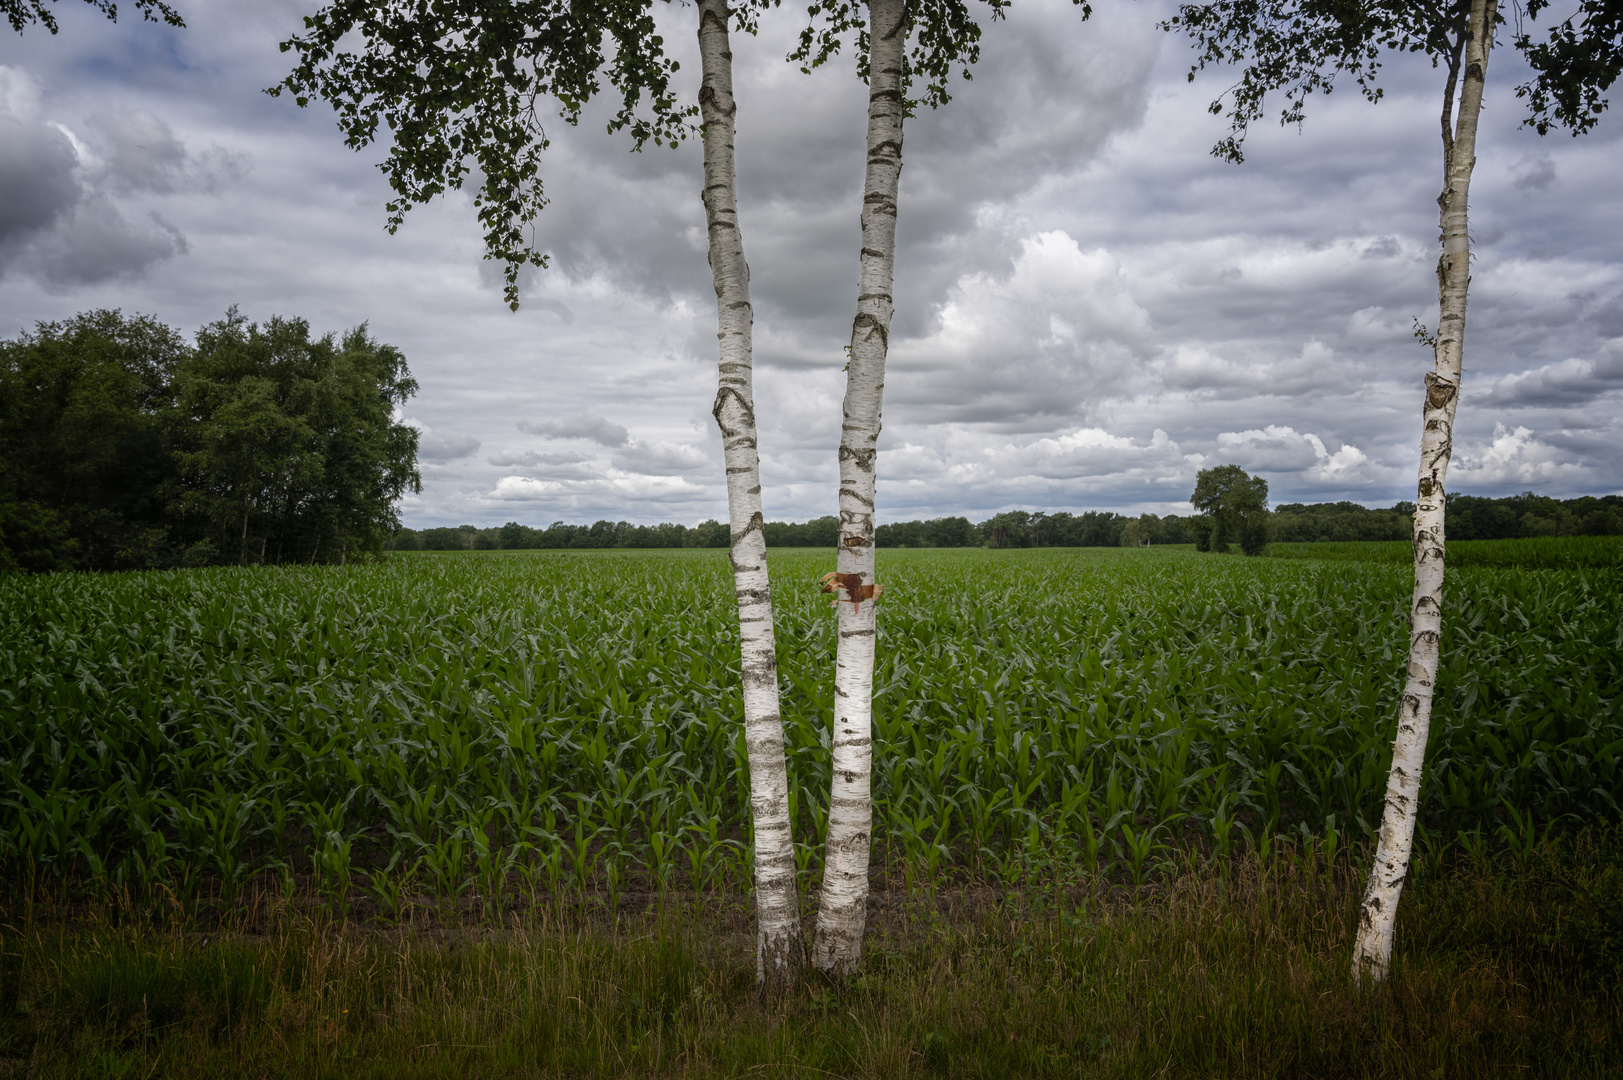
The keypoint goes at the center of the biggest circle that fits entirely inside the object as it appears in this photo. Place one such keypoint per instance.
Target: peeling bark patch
(849, 587)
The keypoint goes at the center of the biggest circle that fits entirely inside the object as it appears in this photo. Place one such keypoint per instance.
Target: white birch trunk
(780, 949)
(1372, 954)
(842, 909)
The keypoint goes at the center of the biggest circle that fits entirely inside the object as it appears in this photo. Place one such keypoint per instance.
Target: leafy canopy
(22, 13)
(1579, 62)
(1301, 47)
(944, 34)
(461, 85)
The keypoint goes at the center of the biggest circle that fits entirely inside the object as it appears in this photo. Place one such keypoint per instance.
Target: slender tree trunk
(1372, 955)
(842, 910)
(779, 947)
(242, 558)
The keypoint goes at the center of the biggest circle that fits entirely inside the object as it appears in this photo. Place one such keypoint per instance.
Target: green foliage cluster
(573, 719)
(24, 13)
(1341, 521)
(1473, 517)
(1092, 528)
(124, 447)
(453, 89)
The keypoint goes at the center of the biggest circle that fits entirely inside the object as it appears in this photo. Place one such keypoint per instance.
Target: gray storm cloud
(59, 220)
(442, 447)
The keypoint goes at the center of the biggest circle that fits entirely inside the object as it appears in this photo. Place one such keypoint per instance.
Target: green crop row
(440, 725)
(1543, 552)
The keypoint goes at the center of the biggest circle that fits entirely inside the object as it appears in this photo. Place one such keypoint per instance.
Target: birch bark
(1372, 954)
(780, 949)
(842, 910)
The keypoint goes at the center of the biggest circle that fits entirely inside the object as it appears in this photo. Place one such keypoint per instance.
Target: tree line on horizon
(1471, 517)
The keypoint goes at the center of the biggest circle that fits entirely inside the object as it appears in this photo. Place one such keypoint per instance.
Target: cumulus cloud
(584, 426)
(1081, 468)
(1277, 449)
(97, 242)
(59, 220)
(133, 150)
(1197, 369)
(1050, 338)
(596, 492)
(1384, 247)
(1375, 325)
(1515, 456)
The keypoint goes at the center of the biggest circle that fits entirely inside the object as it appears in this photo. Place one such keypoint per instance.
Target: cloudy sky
(1090, 308)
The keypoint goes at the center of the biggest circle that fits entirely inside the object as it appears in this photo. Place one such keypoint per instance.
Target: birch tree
(1372, 953)
(944, 35)
(458, 85)
(842, 905)
(779, 951)
(1301, 47)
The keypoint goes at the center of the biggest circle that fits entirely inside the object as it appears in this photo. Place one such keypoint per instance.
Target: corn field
(463, 725)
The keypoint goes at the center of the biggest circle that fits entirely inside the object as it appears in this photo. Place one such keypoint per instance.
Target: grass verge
(1505, 966)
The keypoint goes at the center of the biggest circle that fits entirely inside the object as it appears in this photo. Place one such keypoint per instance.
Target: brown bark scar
(849, 587)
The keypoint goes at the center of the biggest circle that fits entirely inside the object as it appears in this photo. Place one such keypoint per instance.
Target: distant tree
(122, 447)
(1254, 534)
(1007, 529)
(1145, 530)
(950, 532)
(1200, 529)
(514, 535)
(1340, 521)
(1236, 505)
